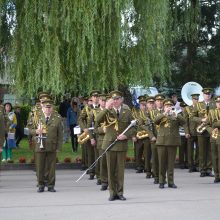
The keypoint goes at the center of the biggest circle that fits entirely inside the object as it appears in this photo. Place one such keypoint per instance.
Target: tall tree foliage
(84, 44)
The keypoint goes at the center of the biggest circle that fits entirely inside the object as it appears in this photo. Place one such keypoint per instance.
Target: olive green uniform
(214, 117)
(216, 153)
(155, 161)
(52, 143)
(116, 155)
(192, 141)
(89, 149)
(100, 133)
(139, 144)
(200, 111)
(168, 139)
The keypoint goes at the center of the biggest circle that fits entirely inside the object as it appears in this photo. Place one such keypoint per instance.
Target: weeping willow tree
(85, 44)
(66, 46)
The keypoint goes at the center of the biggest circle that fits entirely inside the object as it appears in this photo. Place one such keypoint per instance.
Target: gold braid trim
(111, 121)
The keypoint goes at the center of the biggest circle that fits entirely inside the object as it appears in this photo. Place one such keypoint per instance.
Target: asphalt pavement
(195, 198)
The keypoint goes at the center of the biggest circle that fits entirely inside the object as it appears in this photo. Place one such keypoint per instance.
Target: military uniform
(192, 140)
(139, 145)
(46, 149)
(199, 112)
(88, 148)
(183, 155)
(155, 162)
(85, 123)
(116, 123)
(168, 139)
(214, 118)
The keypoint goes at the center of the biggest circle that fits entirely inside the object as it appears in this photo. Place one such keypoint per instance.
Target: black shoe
(210, 174)
(202, 174)
(148, 176)
(139, 171)
(83, 168)
(121, 197)
(103, 188)
(40, 189)
(172, 186)
(112, 198)
(156, 181)
(99, 182)
(161, 186)
(91, 177)
(190, 170)
(217, 180)
(51, 189)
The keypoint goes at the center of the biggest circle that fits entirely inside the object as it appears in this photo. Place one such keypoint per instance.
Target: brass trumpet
(82, 138)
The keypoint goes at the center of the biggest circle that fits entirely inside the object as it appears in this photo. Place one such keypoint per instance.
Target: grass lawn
(24, 151)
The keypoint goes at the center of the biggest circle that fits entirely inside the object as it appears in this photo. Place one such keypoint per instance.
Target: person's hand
(134, 139)
(122, 137)
(93, 142)
(86, 130)
(187, 136)
(153, 139)
(204, 120)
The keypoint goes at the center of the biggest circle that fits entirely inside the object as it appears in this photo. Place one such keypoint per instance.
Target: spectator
(11, 123)
(19, 128)
(72, 117)
(63, 112)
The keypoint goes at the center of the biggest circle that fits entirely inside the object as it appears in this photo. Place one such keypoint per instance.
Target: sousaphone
(191, 88)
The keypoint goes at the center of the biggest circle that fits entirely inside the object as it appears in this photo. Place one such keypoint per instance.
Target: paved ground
(195, 198)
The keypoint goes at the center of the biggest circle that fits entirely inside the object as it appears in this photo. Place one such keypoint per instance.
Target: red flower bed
(22, 160)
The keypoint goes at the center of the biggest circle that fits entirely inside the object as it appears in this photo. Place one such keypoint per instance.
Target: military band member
(159, 98)
(191, 135)
(200, 115)
(183, 156)
(117, 119)
(93, 133)
(168, 139)
(48, 133)
(214, 118)
(84, 125)
(100, 133)
(139, 141)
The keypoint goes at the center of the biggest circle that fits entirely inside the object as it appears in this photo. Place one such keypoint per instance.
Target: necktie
(47, 119)
(117, 112)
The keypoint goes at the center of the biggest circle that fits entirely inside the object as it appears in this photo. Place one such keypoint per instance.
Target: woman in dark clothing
(72, 117)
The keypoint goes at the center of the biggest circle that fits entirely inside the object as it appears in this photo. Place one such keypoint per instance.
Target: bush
(22, 160)
(67, 160)
(78, 160)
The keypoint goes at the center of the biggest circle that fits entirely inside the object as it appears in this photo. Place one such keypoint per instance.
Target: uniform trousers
(215, 149)
(166, 157)
(43, 158)
(193, 152)
(116, 166)
(103, 169)
(205, 163)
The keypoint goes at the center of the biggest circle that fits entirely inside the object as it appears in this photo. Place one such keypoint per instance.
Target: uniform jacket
(199, 112)
(168, 130)
(216, 124)
(125, 117)
(54, 137)
(191, 125)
